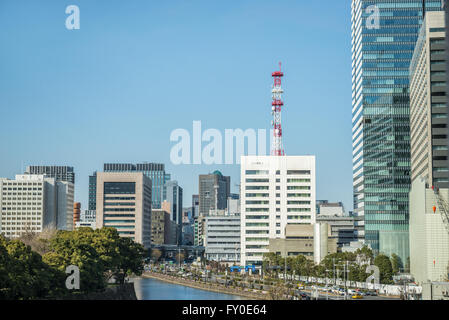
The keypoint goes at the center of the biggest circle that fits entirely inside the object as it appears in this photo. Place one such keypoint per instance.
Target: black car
(304, 296)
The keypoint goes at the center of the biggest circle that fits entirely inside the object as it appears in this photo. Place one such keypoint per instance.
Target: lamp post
(333, 265)
(327, 289)
(285, 269)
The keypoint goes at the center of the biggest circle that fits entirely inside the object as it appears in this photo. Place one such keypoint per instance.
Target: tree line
(335, 264)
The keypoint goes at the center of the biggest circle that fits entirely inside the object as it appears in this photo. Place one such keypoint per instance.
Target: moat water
(153, 289)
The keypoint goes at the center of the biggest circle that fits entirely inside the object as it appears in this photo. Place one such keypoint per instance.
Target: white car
(352, 291)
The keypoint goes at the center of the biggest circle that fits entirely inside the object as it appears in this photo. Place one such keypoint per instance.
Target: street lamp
(327, 289)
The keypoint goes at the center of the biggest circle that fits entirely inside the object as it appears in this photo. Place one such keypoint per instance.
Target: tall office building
(154, 171)
(276, 191)
(429, 224)
(34, 203)
(428, 108)
(76, 212)
(174, 196)
(60, 173)
(65, 194)
(384, 33)
(92, 205)
(214, 190)
(195, 205)
(124, 203)
(64, 183)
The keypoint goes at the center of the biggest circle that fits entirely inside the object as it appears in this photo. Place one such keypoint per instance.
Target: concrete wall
(429, 237)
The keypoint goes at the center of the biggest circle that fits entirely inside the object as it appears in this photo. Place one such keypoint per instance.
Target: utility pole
(179, 256)
(285, 269)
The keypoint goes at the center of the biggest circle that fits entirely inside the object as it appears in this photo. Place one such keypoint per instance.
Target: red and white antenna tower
(277, 148)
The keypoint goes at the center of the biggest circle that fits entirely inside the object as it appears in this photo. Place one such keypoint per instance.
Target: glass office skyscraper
(384, 33)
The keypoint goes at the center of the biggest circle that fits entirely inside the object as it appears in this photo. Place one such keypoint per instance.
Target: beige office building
(124, 203)
(429, 225)
(312, 241)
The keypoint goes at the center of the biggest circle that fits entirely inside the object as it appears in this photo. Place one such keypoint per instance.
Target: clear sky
(115, 89)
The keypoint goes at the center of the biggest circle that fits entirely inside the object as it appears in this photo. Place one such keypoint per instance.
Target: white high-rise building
(275, 191)
(33, 203)
(429, 193)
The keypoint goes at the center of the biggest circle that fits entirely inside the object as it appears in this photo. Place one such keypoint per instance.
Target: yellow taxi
(357, 296)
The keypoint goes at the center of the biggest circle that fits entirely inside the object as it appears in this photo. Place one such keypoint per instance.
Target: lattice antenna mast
(277, 149)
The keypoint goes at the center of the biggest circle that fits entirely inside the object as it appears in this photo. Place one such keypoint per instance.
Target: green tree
(365, 254)
(396, 263)
(131, 255)
(24, 275)
(100, 255)
(76, 248)
(386, 270)
(7, 288)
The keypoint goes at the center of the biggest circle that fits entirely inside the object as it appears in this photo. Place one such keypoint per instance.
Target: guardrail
(387, 289)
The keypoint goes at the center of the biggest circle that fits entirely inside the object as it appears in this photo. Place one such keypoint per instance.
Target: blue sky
(114, 90)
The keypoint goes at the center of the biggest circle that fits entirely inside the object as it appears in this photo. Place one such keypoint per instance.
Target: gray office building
(60, 173)
(195, 205)
(214, 190)
(174, 197)
(345, 229)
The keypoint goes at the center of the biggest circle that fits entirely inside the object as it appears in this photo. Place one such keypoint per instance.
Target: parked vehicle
(357, 296)
(304, 296)
(336, 290)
